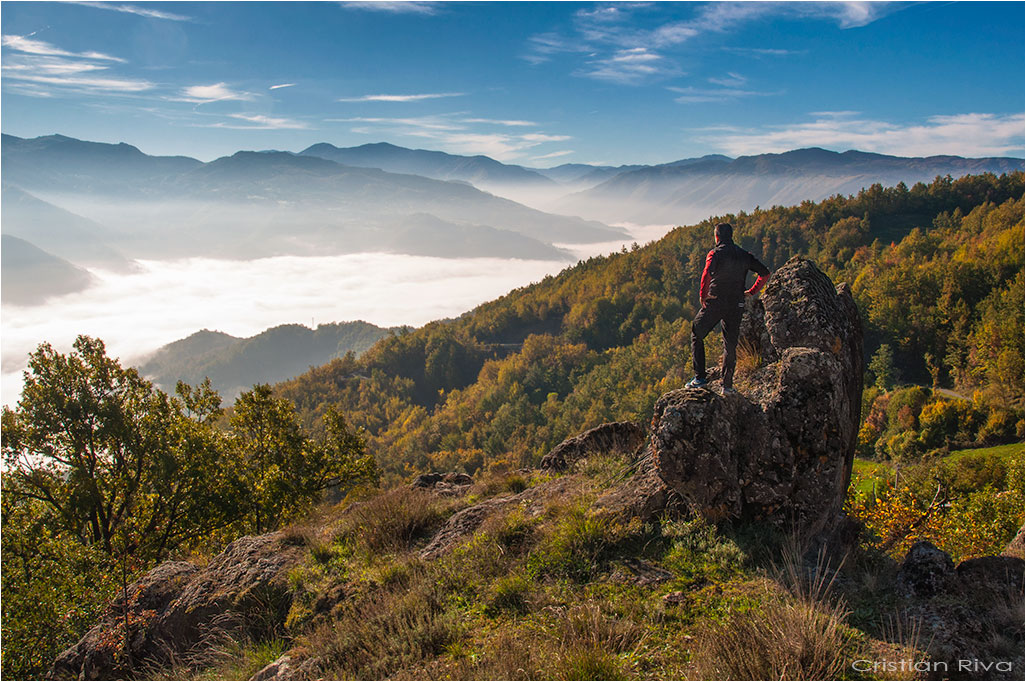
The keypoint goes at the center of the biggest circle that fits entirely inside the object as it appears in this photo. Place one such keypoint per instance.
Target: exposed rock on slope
(618, 437)
(172, 608)
(783, 450)
(970, 615)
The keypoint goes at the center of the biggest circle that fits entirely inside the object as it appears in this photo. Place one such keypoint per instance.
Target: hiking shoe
(696, 383)
(727, 390)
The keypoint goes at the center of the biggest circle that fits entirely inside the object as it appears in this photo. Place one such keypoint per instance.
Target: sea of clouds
(163, 301)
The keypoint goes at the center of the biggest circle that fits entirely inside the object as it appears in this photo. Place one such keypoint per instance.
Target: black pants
(728, 312)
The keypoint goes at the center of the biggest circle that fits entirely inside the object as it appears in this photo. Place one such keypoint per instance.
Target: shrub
(509, 593)
(395, 520)
(698, 552)
(572, 548)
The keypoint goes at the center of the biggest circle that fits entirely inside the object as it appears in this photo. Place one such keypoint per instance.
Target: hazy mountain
(427, 235)
(685, 192)
(582, 174)
(31, 275)
(257, 204)
(234, 364)
(56, 163)
(480, 171)
(57, 231)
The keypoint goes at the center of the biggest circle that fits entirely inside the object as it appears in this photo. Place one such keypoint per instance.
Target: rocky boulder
(623, 438)
(446, 485)
(967, 614)
(176, 605)
(782, 449)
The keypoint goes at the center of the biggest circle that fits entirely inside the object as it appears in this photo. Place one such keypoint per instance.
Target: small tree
(284, 471)
(882, 367)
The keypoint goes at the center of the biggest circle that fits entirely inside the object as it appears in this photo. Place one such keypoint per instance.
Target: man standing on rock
(722, 293)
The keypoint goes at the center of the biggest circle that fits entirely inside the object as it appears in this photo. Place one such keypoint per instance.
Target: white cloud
(731, 80)
(763, 51)
(454, 133)
(132, 9)
(971, 135)
(260, 122)
(553, 155)
(27, 45)
(538, 137)
(282, 85)
(217, 92)
(400, 98)
(395, 7)
(39, 76)
(690, 94)
(499, 122)
(421, 122)
(631, 66)
(609, 33)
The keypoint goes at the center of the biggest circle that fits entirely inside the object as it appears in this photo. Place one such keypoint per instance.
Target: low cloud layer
(165, 301)
(137, 313)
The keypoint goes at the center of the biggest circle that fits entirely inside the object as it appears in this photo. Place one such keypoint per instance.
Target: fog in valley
(135, 312)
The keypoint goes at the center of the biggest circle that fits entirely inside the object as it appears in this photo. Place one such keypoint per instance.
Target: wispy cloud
(553, 155)
(620, 50)
(763, 51)
(972, 134)
(455, 133)
(631, 66)
(282, 85)
(40, 69)
(730, 89)
(258, 122)
(203, 94)
(400, 98)
(499, 122)
(395, 7)
(132, 9)
(731, 80)
(27, 45)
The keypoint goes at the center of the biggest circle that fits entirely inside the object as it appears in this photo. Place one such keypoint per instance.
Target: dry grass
(395, 520)
(799, 633)
(385, 632)
(749, 358)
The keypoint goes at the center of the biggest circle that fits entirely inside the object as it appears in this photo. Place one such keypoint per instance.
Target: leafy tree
(283, 470)
(121, 465)
(54, 587)
(882, 367)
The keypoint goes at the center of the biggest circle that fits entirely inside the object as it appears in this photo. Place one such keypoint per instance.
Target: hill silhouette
(235, 364)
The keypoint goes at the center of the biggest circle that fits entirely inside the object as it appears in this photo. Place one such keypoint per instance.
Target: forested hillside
(936, 269)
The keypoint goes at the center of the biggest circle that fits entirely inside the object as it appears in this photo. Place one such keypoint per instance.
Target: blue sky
(530, 83)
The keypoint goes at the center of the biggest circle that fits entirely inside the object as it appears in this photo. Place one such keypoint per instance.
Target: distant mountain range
(103, 205)
(234, 364)
(692, 189)
(480, 171)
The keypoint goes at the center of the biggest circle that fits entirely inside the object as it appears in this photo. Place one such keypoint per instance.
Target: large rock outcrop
(781, 449)
(177, 605)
